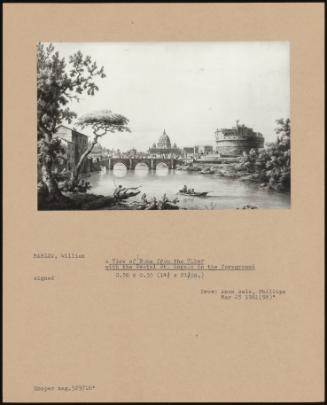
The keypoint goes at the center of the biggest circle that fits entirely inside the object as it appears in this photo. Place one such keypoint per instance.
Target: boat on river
(128, 194)
(194, 193)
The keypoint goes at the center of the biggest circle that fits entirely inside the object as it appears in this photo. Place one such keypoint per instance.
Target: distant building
(237, 140)
(189, 151)
(163, 148)
(204, 149)
(74, 142)
(197, 151)
(99, 153)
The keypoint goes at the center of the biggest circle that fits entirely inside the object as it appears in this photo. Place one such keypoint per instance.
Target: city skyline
(145, 150)
(190, 89)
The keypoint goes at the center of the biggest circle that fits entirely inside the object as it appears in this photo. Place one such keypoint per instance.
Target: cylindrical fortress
(237, 140)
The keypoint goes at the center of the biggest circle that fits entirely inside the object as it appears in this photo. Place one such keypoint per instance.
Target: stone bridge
(131, 163)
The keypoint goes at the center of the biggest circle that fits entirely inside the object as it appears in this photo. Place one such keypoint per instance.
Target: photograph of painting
(163, 125)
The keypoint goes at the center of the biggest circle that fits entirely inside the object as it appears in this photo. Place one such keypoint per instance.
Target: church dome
(164, 141)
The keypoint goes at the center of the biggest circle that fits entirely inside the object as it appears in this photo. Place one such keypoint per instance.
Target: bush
(272, 165)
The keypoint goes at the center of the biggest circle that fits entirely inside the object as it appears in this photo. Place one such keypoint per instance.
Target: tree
(58, 83)
(101, 123)
(279, 173)
(284, 127)
(283, 131)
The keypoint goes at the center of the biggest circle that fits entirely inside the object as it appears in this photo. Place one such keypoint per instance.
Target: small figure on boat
(186, 190)
(117, 191)
(144, 199)
(191, 192)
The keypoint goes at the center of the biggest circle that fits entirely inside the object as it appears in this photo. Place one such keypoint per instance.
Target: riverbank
(85, 201)
(228, 186)
(80, 201)
(257, 174)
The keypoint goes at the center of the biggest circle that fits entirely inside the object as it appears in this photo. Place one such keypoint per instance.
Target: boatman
(144, 199)
(117, 191)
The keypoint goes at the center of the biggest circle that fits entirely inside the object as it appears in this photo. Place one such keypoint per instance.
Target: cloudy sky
(188, 88)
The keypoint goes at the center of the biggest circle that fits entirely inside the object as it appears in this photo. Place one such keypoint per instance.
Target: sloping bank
(80, 201)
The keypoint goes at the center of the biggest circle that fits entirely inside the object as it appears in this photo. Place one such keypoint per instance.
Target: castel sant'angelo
(238, 139)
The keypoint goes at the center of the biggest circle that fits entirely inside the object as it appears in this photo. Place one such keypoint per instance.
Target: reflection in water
(162, 170)
(141, 170)
(223, 192)
(120, 170)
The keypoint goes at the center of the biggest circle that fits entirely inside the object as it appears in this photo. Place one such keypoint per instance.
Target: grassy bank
(80, 201)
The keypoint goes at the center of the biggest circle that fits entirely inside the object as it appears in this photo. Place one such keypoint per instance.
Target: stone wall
(236, 147)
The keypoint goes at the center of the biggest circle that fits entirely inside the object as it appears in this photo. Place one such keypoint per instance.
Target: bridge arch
(152, 163)
(162, 169)
(163, 164)
(141, 163)
(120, 164)
(119, 169)
(141, 169)
(114, 161)
(102, 163)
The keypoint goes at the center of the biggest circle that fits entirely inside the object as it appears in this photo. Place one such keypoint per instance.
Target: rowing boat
(128, 194)
(195, 194)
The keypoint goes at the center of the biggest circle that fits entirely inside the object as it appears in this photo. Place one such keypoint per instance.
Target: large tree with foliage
(58, 83)
(283, 131)
(272, 165)
(101, 122)
(283, 127)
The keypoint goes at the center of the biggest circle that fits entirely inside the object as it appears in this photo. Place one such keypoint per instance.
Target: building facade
(188, 151)
(99, 153)
(75, 144)
(237, 140)
(204, 149)
(197, 151)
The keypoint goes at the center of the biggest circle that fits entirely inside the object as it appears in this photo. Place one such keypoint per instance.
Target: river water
(224, 192)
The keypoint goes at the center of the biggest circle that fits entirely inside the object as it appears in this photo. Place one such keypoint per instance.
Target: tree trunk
(54, 193)
(78, 167)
